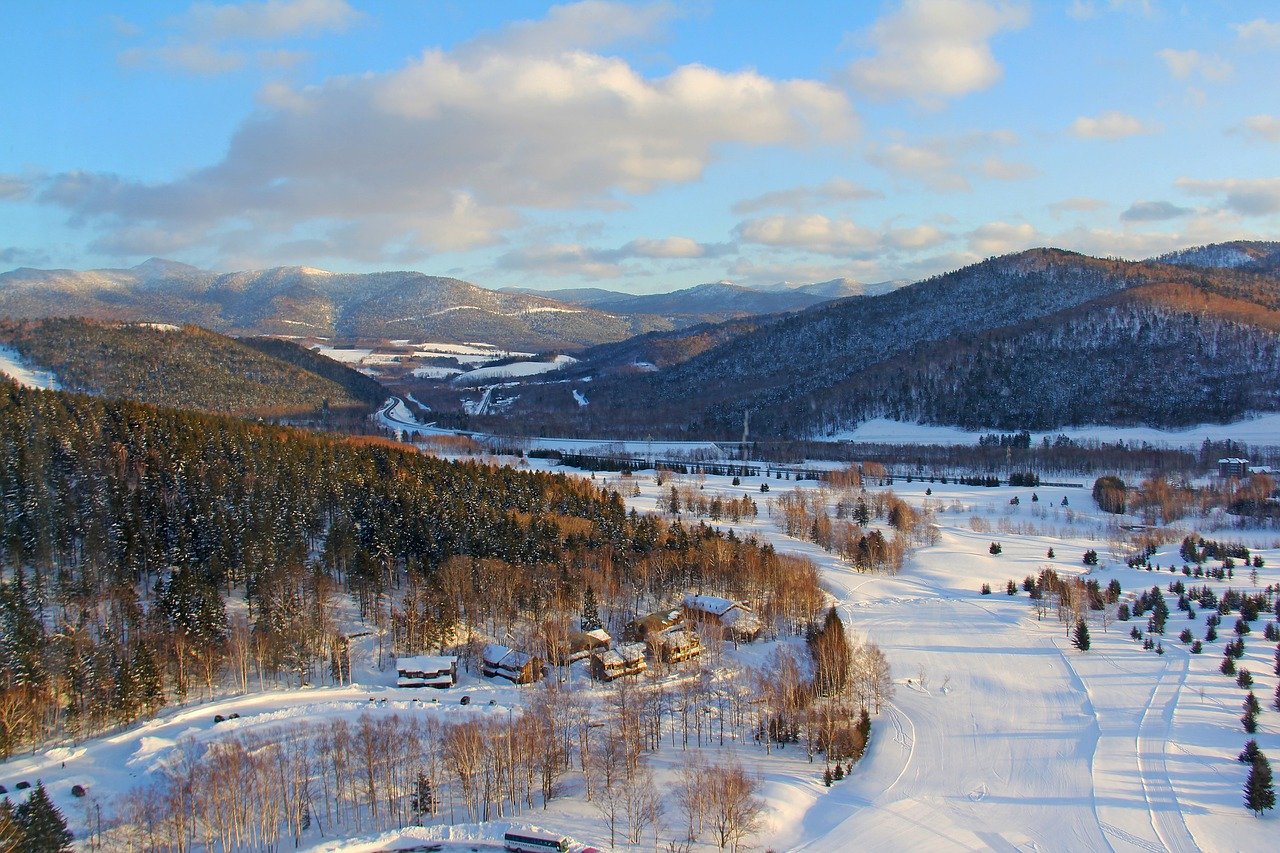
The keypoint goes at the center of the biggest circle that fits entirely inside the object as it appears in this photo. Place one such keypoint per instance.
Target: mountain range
(1038, 339)
(308, 302)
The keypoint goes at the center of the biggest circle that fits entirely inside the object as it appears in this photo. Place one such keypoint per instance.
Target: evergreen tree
(1259, 793)
(590, 611)
(147, 686)
(1250, 750)
(1080, 636)
(1249, 719)
(44, 828)
(11, 833)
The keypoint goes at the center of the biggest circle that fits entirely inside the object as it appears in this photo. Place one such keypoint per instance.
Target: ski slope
(1001, 736)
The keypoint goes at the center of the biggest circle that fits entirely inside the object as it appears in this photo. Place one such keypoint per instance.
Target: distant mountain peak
(157, 267)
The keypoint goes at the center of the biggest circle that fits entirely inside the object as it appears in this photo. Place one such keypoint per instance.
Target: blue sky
(633, 146)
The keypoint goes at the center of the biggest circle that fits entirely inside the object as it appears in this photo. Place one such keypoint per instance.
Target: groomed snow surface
(1259, 429)
(1001, 736)
(13, 365)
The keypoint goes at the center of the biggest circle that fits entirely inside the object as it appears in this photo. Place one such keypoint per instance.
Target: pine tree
(11, 833)
(590, 611)
(43, 826)
(1250, 750)
(1080, 636)
(1259, 794)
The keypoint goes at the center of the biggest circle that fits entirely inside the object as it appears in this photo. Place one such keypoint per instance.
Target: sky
(640, 147)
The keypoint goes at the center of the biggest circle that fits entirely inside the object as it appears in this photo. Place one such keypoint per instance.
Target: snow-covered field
(15, 367)
(513, 370)
(1001, 735)
(1261, 430)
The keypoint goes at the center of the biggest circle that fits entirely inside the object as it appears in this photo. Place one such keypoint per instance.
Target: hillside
(306, 301)
(187, 367)
(903, 353)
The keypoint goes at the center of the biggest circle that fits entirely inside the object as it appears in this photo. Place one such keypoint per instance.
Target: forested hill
(124, 528)
(900, 354)
(188, 367)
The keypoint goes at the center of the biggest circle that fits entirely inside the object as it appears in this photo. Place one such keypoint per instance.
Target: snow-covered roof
(505, 657)
(713, 604)
(426, 663)
(623, 654)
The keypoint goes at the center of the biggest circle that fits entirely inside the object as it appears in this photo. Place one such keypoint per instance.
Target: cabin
(738, 621)
(641, 629)
(675, 644)
(515, 666)
(438, 671)
(583, 643)
(626, 659)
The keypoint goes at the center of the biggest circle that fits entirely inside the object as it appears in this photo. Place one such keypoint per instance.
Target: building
(641, 629)
(439, 671)
(516, 666)
(1233, 467)
(677, 643)
(626, 659)
(583, 643)
(738, 621)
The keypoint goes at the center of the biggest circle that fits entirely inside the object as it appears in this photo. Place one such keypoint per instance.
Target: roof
(713, 604)
(623, 654)
(496, 655)
(426, 663)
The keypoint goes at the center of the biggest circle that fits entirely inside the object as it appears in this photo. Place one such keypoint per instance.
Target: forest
(129, 530)
(189, 368)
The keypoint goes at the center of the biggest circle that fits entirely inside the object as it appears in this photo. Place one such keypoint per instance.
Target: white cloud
(270, 20)
(811, 233)
(1153, 211)
(1184, 64)
(576, 259)
(798, 198)
(1004, 170)
(13, 187)
(835, 236)
(1110, 125)
(1083, 10)
(668, 247)
(560, 260)
(1247, 197)
(197, 40)
(449, 150)
(1077, 204)
(751, 272)
(999, 238)
(916, 238)
(1259, 33)
(930, 164)
(931, 50)
(1262, 126)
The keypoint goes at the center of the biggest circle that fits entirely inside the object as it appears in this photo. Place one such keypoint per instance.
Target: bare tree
(733, 809)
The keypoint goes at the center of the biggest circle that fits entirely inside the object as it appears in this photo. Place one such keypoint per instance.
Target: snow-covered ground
(13, 365)
(1001, 735)
(1261, 430)
(515, 369)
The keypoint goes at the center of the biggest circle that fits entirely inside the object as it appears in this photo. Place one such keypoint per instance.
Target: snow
(1258, 430)
(344, 355)
(519, 368)
(579, 397)
(13, 365)
(435, 372)
(1000, 736)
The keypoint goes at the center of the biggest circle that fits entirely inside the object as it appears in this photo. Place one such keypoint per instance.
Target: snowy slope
(13, 365)
(1001, 736)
